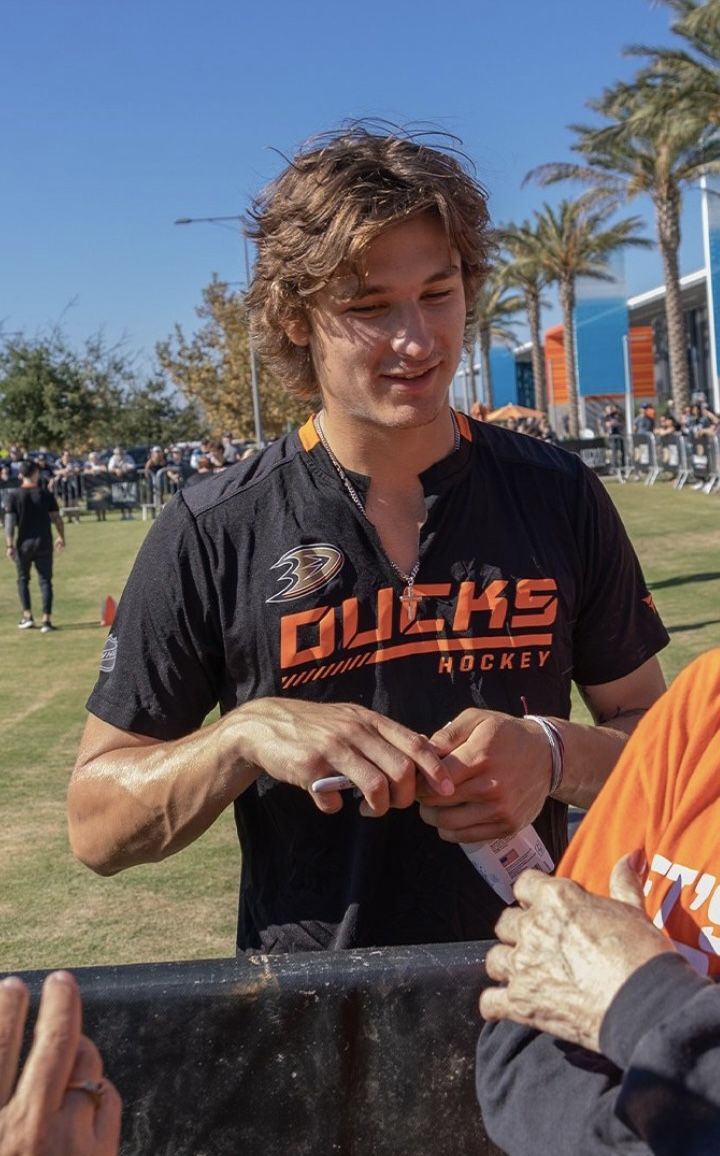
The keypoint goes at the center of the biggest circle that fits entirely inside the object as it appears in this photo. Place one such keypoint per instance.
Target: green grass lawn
(53, 911)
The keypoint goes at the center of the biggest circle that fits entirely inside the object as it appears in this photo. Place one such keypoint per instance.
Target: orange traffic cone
(107, 611)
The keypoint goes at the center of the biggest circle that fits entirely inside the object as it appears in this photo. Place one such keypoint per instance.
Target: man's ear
(297, 329)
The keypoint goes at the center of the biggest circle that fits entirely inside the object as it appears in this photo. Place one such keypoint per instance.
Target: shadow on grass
(692, 626)
(682, 579)
(81, 626)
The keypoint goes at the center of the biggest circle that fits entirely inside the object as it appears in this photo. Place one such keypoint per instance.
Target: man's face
(385, 350)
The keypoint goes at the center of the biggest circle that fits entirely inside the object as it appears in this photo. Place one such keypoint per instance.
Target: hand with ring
(61, 1103)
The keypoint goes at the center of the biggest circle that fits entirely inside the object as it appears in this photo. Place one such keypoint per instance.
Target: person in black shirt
(32, 511)
(389, 572)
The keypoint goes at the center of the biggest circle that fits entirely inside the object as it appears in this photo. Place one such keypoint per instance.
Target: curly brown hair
(338, 193)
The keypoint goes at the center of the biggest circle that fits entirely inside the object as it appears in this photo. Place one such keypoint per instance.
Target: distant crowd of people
(695, 421)
(183, 465)
(536, 425)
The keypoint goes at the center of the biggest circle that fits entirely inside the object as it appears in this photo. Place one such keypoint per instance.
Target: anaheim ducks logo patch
(305, 569)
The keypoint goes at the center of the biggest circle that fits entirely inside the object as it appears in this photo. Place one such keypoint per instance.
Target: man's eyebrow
(372, 290)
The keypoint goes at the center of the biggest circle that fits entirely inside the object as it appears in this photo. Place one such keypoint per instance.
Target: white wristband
(557, 749)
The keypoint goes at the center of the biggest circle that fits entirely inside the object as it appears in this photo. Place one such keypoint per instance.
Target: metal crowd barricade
(685, 459)
(712, 480)
(125, 490)
(143, 488)
(147, 499)
(619, 456)
(698, 458)
(644, 457)
(70, 495)
(670, 453)
(156, 488)
(168, 481)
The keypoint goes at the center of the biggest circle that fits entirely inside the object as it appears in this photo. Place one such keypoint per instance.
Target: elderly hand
(564, 953)
(61, 1104)
(501, 767)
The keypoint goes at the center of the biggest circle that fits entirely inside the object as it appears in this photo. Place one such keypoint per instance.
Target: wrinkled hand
(42, 1117)
(501, 767)
(299, 742)
(565, 954)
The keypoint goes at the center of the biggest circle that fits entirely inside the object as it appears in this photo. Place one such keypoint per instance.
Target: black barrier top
(369, 1053)
(592, 451)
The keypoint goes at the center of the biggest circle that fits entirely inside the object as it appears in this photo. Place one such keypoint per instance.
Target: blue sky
(118, 118)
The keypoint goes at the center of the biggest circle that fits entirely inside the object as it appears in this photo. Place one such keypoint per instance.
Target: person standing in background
(31, 512)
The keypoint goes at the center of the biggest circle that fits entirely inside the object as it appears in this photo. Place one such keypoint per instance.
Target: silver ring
(93, 1088)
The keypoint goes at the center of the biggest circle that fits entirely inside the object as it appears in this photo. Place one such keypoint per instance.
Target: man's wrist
(557, 750)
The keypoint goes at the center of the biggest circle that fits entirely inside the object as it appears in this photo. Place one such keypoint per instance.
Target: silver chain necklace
(409, 597)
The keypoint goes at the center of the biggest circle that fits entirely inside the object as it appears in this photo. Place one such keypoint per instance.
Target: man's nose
(412, 336)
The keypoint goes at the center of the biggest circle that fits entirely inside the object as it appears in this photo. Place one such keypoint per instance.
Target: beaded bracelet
(557, 749)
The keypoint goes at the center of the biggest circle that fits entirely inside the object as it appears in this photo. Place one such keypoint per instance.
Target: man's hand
(564, 954)
(43, 1115)
(299, 742)
(501, 767)
(10, 551)
(60, 544)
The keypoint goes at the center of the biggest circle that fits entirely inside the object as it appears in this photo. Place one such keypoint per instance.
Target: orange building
(642, 363)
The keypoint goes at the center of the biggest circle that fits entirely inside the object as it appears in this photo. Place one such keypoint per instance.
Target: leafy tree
(213, 369)
(52, 395)
(46, 397)
(575, 240)
(153, 413)
(522, 268)
(495, 307)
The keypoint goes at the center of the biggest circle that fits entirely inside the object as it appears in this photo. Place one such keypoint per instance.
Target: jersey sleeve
(161, 668)
(618, 627)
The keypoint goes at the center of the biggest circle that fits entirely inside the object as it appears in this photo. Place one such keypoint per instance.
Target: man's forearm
(144, 800)
(590, 753)
(59, 525)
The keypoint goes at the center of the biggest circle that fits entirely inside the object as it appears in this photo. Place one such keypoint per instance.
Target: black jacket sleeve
(655, 1090)
(663, 1029)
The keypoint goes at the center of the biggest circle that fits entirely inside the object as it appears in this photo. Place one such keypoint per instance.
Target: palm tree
(576, 240)
(694, 68)
(654, 142)
(495, 307)
(522, 269)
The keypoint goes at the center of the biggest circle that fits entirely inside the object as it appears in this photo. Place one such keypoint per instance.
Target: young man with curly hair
(376, 595)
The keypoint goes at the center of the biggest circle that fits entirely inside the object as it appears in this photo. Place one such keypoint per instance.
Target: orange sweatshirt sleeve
(663, 790)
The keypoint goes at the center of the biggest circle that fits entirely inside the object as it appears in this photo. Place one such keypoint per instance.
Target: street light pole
(253, 365)
(257, 415)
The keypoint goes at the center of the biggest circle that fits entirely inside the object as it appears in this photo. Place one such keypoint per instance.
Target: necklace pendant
(410, 600)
